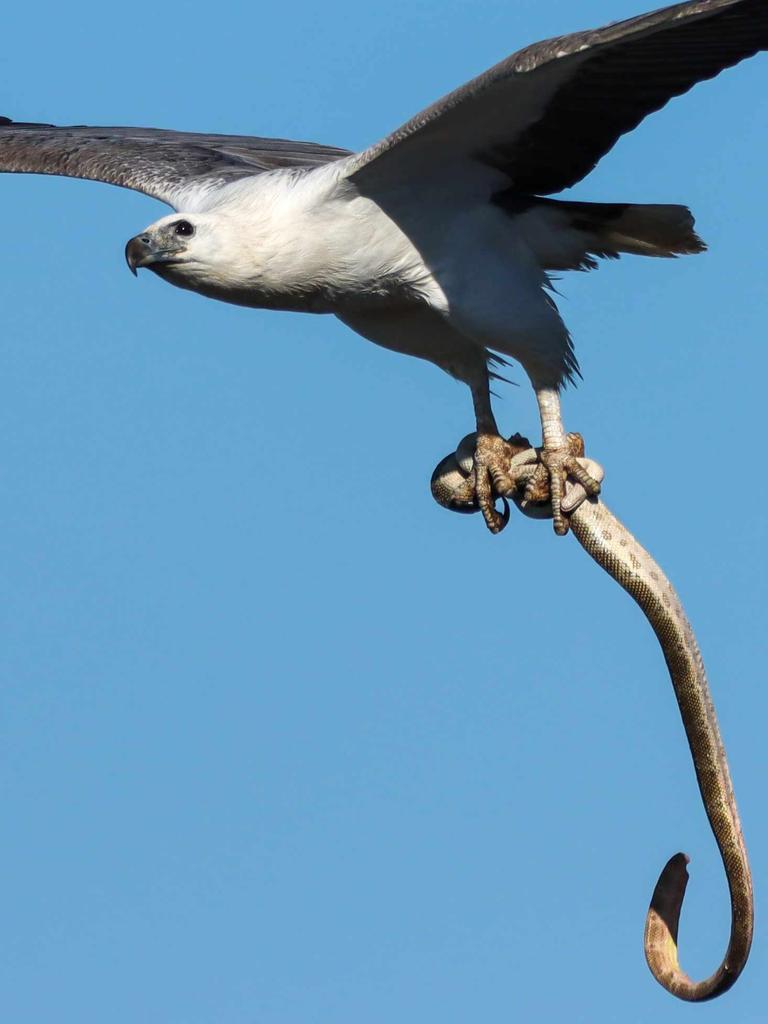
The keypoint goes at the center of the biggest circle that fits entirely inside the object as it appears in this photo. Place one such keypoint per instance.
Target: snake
(610, 544)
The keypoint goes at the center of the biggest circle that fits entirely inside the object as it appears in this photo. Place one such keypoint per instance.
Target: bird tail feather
(571, 236)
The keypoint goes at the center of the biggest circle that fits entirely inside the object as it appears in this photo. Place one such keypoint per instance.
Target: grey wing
(547, 114)
(165, 164)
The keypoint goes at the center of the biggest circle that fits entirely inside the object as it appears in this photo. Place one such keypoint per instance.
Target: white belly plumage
(311, 242)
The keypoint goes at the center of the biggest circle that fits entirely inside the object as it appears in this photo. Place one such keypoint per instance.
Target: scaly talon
(554, 463)
(483, 469)
(491, 468)
(563, 465)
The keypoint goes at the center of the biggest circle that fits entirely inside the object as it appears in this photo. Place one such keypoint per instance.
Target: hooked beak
(141, 252)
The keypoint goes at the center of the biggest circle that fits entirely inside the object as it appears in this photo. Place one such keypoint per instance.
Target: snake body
(612, 546)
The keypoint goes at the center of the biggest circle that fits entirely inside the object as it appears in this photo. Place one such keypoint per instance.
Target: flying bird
(437, 241)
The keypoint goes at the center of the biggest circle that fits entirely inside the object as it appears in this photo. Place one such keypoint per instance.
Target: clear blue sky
(282, 741)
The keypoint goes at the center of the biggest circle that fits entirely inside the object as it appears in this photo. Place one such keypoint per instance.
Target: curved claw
(661, 926)
(486, 499)
(504, 521)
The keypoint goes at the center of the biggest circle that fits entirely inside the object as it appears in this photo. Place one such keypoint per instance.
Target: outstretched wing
(160, 163)
(547, 114)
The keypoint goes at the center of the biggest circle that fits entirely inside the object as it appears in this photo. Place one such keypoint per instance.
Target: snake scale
(613, 547)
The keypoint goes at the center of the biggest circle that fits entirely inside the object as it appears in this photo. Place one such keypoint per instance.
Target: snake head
(453, 486)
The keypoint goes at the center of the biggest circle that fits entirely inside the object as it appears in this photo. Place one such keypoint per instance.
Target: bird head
(170, 242)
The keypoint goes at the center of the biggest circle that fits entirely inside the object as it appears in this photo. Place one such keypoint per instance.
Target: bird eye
(183, 227)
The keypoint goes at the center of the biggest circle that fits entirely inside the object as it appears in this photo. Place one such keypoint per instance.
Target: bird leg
(558, 460)
(494, 468)
(490, 461)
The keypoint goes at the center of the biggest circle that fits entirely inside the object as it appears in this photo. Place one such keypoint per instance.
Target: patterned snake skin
(615, 550)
